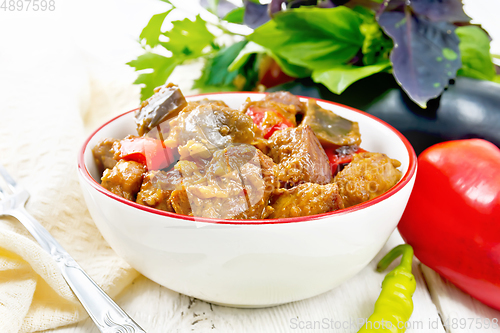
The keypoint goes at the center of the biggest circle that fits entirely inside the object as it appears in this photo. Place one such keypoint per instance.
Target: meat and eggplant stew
(274, 158)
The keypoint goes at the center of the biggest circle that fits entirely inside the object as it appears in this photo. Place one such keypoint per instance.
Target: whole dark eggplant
(468, 108)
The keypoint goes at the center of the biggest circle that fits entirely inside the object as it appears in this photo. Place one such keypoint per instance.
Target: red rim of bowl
(402, 182)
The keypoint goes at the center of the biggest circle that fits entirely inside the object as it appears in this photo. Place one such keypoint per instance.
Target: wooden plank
(460, 312)
(158, 309)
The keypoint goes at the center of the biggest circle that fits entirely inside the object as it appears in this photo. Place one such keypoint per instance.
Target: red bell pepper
(453, 216)
(340, 156)
(271, 75)
(268, 120)
(148, 151)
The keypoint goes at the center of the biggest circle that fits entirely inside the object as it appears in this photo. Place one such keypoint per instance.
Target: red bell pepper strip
(452, 219)
(148, 151)
(341, 156)
(268, 120)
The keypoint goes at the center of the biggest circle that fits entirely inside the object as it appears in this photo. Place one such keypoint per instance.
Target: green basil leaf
(253, 48)
(315, 38)
(152, 31)
(160, 68)
(376, 45)
(245, 53)
(215, 73)
(475, 51)
(236, 15)
(188, 38)
(338, 78)
(288, 68)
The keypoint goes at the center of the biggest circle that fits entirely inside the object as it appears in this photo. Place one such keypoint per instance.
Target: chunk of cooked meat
(124, 179)
(213, 101)
(103, 154)
(366, 177)
(257, 198)
(330, 128)
(156, 188)
(285, 97)
(236, 183)
(194, 104)
(166, 103)
(305, 199)
(180, 202)
(217, 193)
(300, 157)
(211, 125)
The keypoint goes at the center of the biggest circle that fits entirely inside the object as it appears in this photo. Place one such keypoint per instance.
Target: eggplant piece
(284, 97)
(166, 103)
(331, 129)
(468, 108)
(211, 125)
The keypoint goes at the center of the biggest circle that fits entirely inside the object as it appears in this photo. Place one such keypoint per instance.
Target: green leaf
(152, 31)
(245, 53)
(161, 68)
(215, 72)
(253, 48)
(475, 51)
(376, 45)
(236, 15)
(338, 78)
(367, 14)
(188, 38)
(288, 68)
(315, 38)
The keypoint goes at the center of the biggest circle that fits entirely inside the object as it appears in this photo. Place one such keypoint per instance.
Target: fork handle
(105, 313)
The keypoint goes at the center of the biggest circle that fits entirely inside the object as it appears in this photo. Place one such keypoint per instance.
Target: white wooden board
(459, 311)
(160, 310)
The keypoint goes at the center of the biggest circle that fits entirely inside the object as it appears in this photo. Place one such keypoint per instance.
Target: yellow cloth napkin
(46, 100)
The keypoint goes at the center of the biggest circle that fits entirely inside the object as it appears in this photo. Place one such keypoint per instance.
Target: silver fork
(105, 313)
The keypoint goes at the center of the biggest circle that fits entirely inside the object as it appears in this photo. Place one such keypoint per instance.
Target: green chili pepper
(394, 306)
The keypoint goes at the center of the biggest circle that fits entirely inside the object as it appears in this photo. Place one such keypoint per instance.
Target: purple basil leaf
(440, 10)
(255, 14)
(425, 55)
(276, 6)
(393, 5)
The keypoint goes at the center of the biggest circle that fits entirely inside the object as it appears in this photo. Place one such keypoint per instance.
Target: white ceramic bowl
(250, 263)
